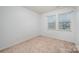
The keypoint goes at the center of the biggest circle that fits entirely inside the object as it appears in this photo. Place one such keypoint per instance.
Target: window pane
(64, 25)
(65, 20)
(52, 22)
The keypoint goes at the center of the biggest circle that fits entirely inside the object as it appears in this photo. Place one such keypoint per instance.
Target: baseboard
(57, 38)
(31, 37)
(15, 43)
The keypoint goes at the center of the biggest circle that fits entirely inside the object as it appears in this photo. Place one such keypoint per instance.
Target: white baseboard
(34, 36)
(51, 36)
(14, 43)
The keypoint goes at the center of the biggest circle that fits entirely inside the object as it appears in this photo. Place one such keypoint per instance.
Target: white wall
(77, 27)
(17, 24)
(63, 35)
(1, 27)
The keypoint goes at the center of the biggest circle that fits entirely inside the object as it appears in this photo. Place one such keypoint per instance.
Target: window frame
(52, 22)
(57, 21)
(66, 13)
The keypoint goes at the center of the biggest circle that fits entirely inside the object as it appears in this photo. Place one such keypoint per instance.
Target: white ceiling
(43, 9)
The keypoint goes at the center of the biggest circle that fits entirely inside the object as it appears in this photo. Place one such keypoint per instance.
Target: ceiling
(43, 9)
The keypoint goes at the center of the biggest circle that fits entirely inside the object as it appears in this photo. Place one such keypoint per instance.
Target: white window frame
(57, 21)
(52, 20)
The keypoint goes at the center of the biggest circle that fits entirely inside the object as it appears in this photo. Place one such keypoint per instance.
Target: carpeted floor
(42, 45)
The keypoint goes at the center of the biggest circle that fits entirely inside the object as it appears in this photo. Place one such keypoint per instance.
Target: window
(65, 21)
(52, 22)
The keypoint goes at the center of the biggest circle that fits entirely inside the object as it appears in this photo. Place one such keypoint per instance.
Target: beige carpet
(42, 45)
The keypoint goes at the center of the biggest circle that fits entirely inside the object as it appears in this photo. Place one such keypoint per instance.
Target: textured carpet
(42, 45)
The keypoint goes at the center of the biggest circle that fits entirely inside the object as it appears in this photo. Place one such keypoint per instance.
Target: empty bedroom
(39, 29)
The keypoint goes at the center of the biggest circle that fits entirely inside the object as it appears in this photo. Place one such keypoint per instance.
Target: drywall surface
(77, 26)
(63, 35)
(16, 24)
(1, 27)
